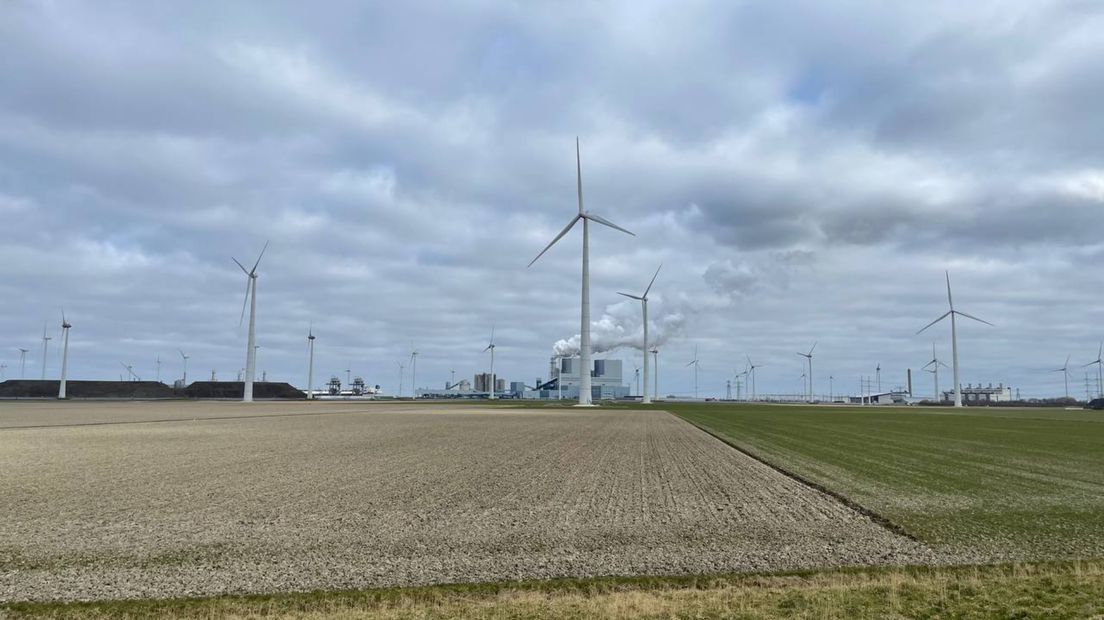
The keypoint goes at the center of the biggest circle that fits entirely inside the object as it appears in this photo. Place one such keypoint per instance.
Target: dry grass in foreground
(1052, 590)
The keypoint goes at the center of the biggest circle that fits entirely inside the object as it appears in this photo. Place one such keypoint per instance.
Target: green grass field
(1018, 484)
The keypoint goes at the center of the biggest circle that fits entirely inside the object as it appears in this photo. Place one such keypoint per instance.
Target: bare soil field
(120, 500)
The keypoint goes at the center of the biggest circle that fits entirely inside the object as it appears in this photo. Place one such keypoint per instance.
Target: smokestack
(910, 381)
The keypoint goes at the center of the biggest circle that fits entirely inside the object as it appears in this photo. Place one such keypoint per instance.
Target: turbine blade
(492, 334)
(245, 301)
(489, 347)
(579, 174)
(602, 220)
(632, 296)
(240, 265)
(653, 280)
(947, 314)
(259, 259)
(811, 350)
(558, 237)
(970, 316)
(949, 302)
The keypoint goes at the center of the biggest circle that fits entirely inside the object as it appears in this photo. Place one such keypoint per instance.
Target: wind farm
(496, 413)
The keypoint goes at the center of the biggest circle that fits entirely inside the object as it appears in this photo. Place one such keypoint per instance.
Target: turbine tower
(159, 369)
(1065, 374)
(64, 354)
(644, 308)
(809, 356)
(1099, 373)
(954, 339)
(491, 348)
(584, 319)
(251, 299)
(45, 341)
(402, 375)
(310, 362)
(185, 358)
(694, 363)
(23, 363)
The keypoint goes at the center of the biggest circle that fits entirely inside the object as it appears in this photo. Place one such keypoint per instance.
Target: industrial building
(605, 380)
(982, 394)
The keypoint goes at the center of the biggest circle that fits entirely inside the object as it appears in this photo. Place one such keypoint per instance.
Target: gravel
(123, 500)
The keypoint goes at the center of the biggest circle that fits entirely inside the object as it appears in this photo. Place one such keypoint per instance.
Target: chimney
(910, 382)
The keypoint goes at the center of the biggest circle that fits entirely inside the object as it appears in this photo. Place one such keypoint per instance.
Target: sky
(804, 171)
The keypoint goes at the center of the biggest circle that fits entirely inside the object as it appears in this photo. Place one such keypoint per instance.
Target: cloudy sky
(804, 170)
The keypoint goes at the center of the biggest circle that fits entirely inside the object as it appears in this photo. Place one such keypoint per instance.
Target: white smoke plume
(621, 326)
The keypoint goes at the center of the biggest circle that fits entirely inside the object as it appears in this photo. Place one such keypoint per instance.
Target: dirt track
(361, 496)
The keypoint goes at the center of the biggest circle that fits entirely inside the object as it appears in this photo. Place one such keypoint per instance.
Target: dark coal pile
(33, 388)
(235, 389)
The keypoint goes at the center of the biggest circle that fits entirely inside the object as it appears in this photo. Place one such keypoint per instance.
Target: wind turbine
(954, 338)
(655, 379)
(251, 299)
(636, 372)
(402, 375)
(310, 363)
(64, 354)
(809, 356)
(878, 375)
(1065, 374)
(185, 358)
(584, 318)
(130, 372)
(751, 370)
(159, 369)
(45, 341)
(413, 371)
(935, 363)
(644, 308)
(694, 363)
(1099, 363)
(491, 348)
(23, 363)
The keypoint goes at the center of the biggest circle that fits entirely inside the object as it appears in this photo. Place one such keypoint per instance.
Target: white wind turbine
(185, 358)
(402, 375)
(491, 348)
(64, 354)
(935, 363)
(752, 374)
(23, 363)
(644, 308)
(310, 363)
(1099, 373)
(45, 341)
(694, 363)
(584, 319)
(251, 299)
(809, 356)
(1065, 374)
(954, 339)
(413, 371)
(130, 372)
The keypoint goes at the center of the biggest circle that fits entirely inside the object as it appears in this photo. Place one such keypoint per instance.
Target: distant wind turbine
(402, 375)
(752, 374)
(954, 339)
(159, 369)
(310, 362)
(1099, 373)
(251, 299)
(23, 363)
(809, 356)
(130, 372)
(491, 348)
(935, 363)
(694, 362)
(584, 319)
(1065, 373)
(64, 354)
(644, 347)
(655, 379)
(413, 371)
(185, 358)
(45, 341)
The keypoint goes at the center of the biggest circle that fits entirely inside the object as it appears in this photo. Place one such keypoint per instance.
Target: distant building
(979, 394)
(500, 385)
(895, 397)
(605, 381)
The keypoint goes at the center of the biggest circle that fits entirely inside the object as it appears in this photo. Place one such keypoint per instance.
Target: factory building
(605, 381)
